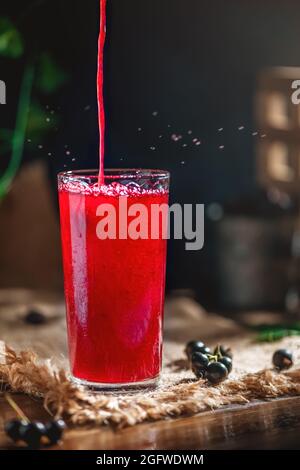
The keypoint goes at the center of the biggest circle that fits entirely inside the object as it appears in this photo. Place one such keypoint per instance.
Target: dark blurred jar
(253, 254)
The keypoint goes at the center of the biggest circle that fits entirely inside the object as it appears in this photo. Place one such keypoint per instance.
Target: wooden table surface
(262, 425)
(259, 425)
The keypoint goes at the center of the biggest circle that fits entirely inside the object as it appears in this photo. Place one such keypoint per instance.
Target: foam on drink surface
(114, 189)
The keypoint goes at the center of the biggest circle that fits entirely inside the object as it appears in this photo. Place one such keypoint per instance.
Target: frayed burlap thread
(23, 372)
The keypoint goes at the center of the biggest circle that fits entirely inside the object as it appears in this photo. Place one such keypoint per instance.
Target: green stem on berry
(16, 408)
(212, 357)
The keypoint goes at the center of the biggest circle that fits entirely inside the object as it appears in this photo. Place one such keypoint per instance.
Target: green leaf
(50, 76)
(271, 334)
(11, 42)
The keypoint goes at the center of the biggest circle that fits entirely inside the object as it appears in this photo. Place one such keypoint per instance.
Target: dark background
(194, 62)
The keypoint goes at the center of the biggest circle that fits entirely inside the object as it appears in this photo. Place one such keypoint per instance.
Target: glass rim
(116, 173)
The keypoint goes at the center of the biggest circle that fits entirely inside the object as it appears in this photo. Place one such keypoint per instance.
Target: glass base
(149, 384)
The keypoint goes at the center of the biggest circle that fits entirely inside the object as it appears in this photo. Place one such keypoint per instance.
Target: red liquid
(100, 85)
(114, 292)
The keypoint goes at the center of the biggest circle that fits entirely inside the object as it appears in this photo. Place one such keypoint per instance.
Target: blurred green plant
(49, 76)
(41, 75)
(11, 42)
(18, 136)
(272, 333)
(38, 122)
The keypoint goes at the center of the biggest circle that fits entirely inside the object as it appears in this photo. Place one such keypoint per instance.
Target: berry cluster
(214, 366)
(35, 434)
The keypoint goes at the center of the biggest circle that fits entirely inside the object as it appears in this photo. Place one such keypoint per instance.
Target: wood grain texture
(262, 425)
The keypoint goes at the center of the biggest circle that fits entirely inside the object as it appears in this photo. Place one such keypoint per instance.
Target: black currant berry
(198, 371)
(12, 429)
(223, 351)
(204, 350)
(32, 433)
(227, 361)
(216, 372)
(55, 430)
(201, 349)
(34, 317)
(283, 359)
(192, 346)
(200, 359)
(199, 364)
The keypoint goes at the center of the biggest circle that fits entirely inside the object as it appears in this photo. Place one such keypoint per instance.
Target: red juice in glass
(114, 286)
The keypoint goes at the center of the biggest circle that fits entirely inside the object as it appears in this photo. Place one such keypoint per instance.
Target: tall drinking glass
(114, 257)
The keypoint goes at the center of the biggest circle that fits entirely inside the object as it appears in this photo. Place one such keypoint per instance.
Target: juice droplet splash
(100, 86)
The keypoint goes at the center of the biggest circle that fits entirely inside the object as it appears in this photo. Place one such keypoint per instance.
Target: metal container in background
(252, 261)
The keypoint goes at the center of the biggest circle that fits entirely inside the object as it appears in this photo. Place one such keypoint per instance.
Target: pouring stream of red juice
(100, 86)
